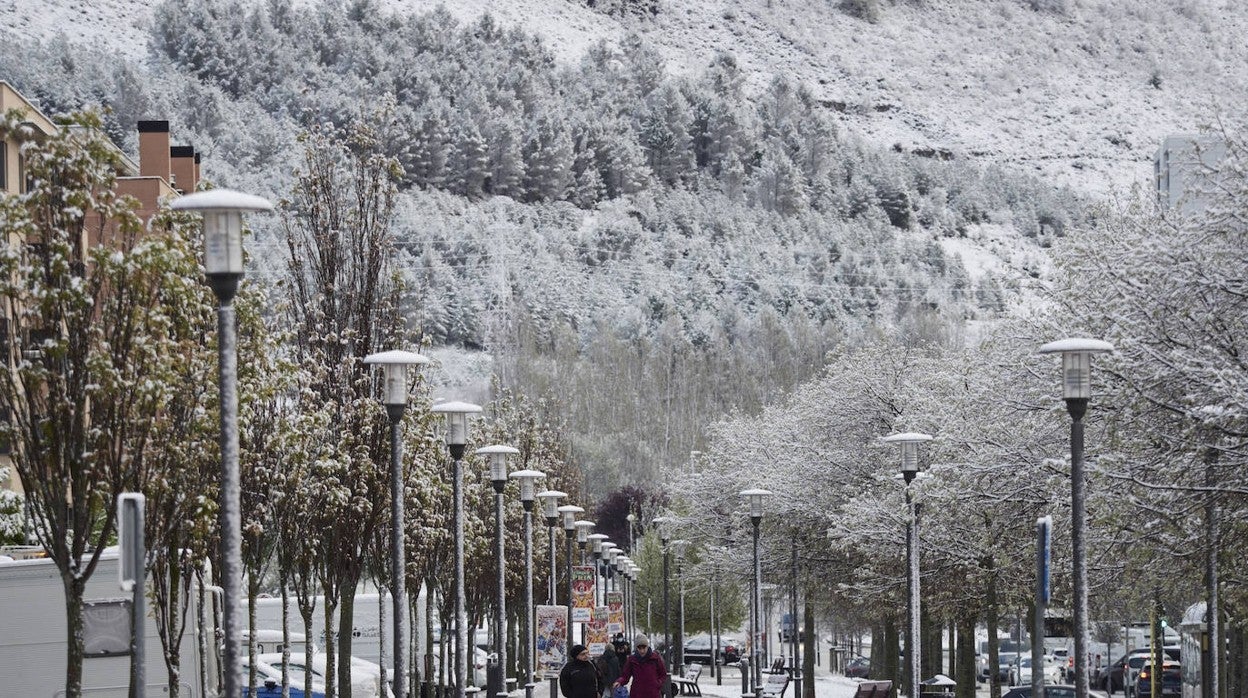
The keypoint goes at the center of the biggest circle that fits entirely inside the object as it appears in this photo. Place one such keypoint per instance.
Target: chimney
(182, 158)
(154, 149)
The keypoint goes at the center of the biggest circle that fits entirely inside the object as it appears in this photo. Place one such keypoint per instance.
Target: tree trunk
(892, 653)
(965, 671)
(810, 648)
(346, 626)
(73, 639)
(990, 603)
(305, 612)
(253, 590)
(283, 577)
(331, 649)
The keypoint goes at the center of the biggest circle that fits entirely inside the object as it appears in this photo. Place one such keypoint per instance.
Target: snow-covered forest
(643, 262)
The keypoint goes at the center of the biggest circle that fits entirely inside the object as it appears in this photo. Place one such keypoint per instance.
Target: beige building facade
(163, 171)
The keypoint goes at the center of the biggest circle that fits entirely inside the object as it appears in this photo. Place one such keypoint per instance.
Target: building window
(4, 166)
(22, 184)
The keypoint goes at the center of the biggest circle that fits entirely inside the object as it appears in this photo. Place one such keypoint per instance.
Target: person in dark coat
(611, 663)
(646, 670)
(579, 677)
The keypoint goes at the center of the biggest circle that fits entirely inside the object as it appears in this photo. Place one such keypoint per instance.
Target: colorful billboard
(551, 637)
(582, 594)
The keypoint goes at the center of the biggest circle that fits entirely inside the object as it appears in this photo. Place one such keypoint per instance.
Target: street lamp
(569, 512)
(755, 499)
(679, 547)
(596, 541)
(550, 510)
(582, 536)
(223, 210)
(1077, 390)
(498, 477)
(456, 414)
(662, 525)
(394, 396)
(909, 443)
(528, 484)
(632, 542)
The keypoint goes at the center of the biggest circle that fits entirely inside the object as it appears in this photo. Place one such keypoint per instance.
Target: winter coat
(609, 665)
(648, 674)
(580, 679)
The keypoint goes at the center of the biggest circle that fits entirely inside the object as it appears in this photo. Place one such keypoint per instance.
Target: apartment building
(164, 170)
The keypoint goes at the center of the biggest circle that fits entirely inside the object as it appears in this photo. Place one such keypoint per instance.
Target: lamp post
(679, 547)
(596, 541)
(456, 414)
(661, 524)
(394, 396)
(223, 210)
(1077, 390)
(569, 512)
(909, 443)
(528, 484)
(634, 573)
(755, 499)
(498, 477)
(582, 537)
(550, 510)
(632, 542)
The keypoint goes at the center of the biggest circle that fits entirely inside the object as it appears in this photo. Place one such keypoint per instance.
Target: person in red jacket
(646, 670)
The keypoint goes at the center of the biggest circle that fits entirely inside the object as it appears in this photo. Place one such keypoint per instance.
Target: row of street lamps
(222, 212)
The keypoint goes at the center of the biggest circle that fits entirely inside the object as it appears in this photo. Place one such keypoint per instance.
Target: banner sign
(551, 637)
(582, 594)
(615, 612)
(596, 635)
(1044, 544)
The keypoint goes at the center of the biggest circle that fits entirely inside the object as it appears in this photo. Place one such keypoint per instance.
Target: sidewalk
(826, 685)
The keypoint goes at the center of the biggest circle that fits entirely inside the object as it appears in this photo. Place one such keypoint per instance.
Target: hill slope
(1082, 96)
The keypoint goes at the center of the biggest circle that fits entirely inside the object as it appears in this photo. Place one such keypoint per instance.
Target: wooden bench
(874, 689)
(687, 685)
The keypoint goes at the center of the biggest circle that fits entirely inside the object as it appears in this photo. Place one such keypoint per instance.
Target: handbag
(620, 692)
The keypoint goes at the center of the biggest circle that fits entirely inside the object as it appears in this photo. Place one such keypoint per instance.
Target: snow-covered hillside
(1080, 97)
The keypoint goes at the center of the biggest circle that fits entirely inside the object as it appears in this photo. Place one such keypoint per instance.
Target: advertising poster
(582, 594)
(596, 632)
(551, 637)
(615, 612)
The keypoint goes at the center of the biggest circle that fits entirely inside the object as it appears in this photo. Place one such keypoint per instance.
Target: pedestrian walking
(646, 670)
(579, 677)
(610, 664)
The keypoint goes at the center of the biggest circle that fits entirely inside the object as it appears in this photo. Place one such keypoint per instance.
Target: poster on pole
(551, 637)
(582, 594)
(596, 632)
(615, 612)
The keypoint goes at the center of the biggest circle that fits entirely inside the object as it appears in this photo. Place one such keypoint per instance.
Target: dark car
(1171, 680)
(858, 668)
(1109, 678)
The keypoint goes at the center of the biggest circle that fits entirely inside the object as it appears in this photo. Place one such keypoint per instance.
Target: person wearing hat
(610, 664)
(579, 677)
(646, 670)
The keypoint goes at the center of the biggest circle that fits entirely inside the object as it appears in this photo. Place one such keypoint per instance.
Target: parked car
(1171, 680)
(1058, 691)
(858, 668)
(365, 681)
(479, 661)
(1020, 672)
(273, 689)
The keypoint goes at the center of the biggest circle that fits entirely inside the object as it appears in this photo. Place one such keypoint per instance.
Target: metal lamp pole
(569, 512)
(755, 499)
(678, 547)
(550, 510)
(596, 541)
(661, 525)
(528, 484)
(456, 440)
(394, 396)
(223, 266)
(1077, 390)
(909, 443)
(498, 477)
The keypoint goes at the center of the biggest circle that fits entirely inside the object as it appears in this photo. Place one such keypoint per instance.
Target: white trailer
(33, 637)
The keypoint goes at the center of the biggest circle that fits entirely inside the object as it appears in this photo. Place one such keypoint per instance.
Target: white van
(33, 629)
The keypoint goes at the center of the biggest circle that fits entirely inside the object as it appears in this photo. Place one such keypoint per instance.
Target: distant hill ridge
(1078, 91)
